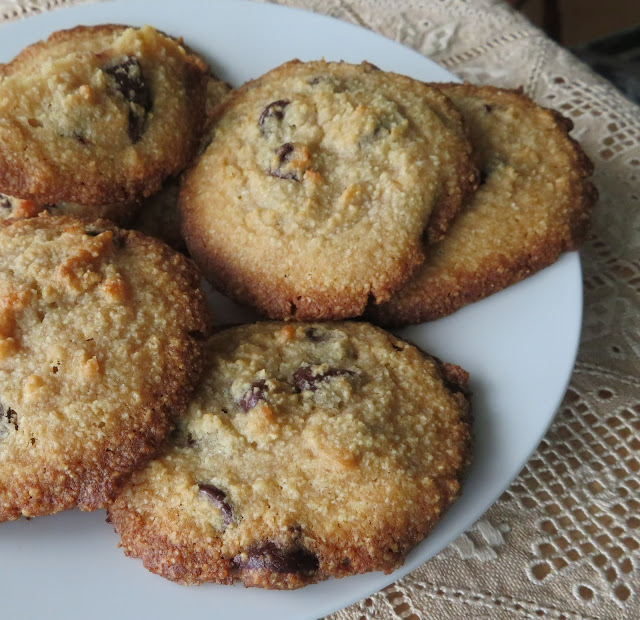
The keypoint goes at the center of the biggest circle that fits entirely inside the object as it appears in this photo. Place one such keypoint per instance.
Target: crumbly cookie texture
(99, 115)
(534, 202)
(102, 334)
(319, 184)
(309, 451)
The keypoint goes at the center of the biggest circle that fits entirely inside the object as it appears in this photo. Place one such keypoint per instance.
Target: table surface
(563, 541)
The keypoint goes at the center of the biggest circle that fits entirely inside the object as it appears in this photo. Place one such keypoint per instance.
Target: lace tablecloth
(563, 541)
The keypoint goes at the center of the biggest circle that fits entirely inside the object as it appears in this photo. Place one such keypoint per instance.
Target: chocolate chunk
(269, 556)
(128, 80)
(253, 395)
(135, 125)
(282, 169)
(275, 110)
(315, 335)
(283, 155)
(10, 414)
(5, 203)
(305, 380)
(218, 498)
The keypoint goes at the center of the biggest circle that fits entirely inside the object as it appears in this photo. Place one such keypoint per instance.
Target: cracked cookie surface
(319, 184)
(308, 451)
(99, 116)
(101, 342)
(534, 203)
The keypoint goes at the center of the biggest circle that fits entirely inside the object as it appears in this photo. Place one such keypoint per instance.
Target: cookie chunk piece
(99, 115)
(102, 335)
(319, 185)
(309, 451)
(534, 203)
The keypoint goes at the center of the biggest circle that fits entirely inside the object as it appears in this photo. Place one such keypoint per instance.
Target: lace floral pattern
(563, 541)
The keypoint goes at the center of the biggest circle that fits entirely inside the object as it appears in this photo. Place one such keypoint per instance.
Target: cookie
(12, 207)
(102, 335)
(533, 204)
(319, 184)
(159, 215)
(99, 115)
(309, 451)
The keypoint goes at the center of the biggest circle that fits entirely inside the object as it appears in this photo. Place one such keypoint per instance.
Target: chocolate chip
(270, 556)
(135, 125)
(283, 157)
(315, 335)
(487, 107)
(275, 110)
(5, 203)
(128, 80)
(305, 380)
(253, 395)
(93, 232)
(283, 165)
(218, 498)
(10, 414)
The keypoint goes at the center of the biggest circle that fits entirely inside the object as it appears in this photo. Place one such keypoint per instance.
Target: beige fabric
(564, 540)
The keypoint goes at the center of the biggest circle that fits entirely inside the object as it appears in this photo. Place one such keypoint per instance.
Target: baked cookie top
(99, 115)
(534, 203)
(101, 342)
(319, 184)
(308, 451)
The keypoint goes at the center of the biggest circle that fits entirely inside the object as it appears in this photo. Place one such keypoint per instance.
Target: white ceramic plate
(518, 345)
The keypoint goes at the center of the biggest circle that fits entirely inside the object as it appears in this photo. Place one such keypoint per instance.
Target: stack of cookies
(283, 452)
(332, 190)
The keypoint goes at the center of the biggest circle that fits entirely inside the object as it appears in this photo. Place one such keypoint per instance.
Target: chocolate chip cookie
(99, 115)
(534, 203)
(101, 340)
(309, 451)
(320, 183)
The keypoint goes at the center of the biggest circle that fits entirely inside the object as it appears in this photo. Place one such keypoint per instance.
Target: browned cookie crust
(101, 343)
(309, 451)
(99, 115)
(319, 184)
(534, 203)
